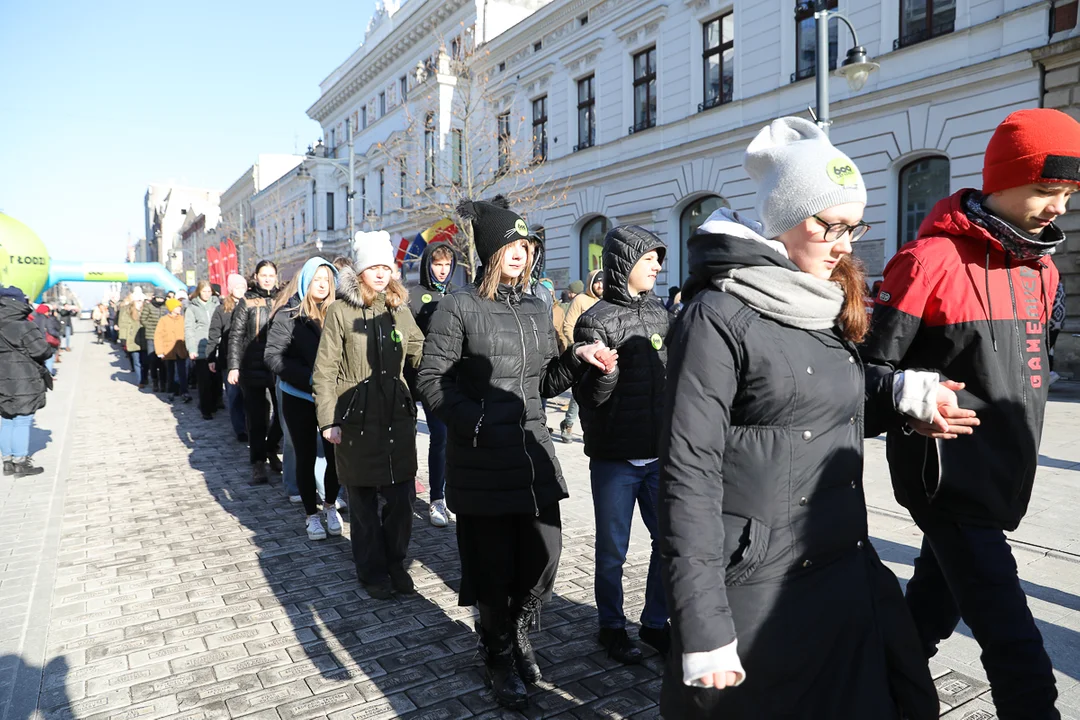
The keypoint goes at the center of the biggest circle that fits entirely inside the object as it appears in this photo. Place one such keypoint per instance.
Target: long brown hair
(853, 320)
(489, 283)
(199, 288)
(285, 294)
(396, 294)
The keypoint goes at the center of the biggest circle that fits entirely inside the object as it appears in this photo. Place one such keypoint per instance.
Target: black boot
(9, 466)
(497, 647)
(524, 657)
(25, 467)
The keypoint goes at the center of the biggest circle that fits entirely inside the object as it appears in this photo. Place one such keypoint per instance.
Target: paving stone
(394, 706)
(320, 705)
(297, 671)
(148, 710)
(397, 682)
(267, 699)
(172, 684)
(446, 689)
(135, 676)
(217, 691)
(955, 689)
(252, 664)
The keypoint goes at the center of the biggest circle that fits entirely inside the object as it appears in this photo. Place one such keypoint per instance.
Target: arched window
(922, 183)
(690, 220)
(592, 244)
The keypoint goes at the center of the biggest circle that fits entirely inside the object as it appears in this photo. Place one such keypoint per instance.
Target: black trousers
(204, 380)
(155, 369)
(507, 557)
(264, 430)
(969, 572)
(299, 415)
(380, 542)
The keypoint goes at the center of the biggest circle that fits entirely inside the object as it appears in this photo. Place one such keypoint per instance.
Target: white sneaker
(439, 513)
(295, 499)
(341, 503)
(1054, 377)
(333, 521)
(315, 529)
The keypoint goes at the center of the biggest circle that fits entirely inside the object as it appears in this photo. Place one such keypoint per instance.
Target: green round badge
(521, 227)
(425, 298)
(657, 341)
(395, 335)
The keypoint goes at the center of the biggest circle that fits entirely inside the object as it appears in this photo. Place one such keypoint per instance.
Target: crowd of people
(732, 417)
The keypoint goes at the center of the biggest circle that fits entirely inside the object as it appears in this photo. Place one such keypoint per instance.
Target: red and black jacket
(956, 302)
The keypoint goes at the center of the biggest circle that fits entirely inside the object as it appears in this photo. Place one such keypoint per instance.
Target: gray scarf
(790, 297)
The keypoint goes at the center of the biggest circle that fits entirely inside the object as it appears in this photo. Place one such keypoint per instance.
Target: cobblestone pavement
(141, 578)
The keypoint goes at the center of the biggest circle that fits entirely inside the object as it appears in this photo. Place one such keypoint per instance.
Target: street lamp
(372, 217)
(856, 67)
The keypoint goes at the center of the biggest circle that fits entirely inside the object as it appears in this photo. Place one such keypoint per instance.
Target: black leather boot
(497, 648)
(524, 657)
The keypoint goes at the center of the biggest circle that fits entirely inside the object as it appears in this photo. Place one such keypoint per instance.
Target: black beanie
(494, 227)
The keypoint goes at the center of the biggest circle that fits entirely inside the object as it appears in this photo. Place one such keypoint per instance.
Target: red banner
(212, 262)
(230, 265)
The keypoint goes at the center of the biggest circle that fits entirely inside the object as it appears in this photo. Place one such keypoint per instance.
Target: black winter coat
(486, 365)
(424, 298)
(217, 341)
(247, 338)
(23, 352)
(763, 527)
(291, 346)
(621, 412)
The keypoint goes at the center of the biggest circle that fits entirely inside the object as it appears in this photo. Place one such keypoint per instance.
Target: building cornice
(642, 21)
(582, 51)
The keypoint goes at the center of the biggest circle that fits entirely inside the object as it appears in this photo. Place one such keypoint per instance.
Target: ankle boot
(524, 657)
(497, 648)
(25, 467)
(9, 466)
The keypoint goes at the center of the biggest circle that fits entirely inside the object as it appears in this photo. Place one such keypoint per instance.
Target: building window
(592, 245)
(363, 117)
(718, 60)
(695, 213)
(303, 222)
(924, 19)
(333, 139)
(382, 190)
(583, 21)
(806, 40)
(382, 104)
(363, 196)
(644, 90)
(430, 145)
(502, 66)
(292, 231)
(403, 84)
(403, 182)
(586, 113)
(922, 183)
(455, 49)
(539, 125)
(457, 155)
(329, 211)
(538, 46)
(504, 142)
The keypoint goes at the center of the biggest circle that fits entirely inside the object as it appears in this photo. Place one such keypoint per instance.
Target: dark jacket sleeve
(898, 310)
(213, 337)
(703, 368)
(561, 370)
(595, 388)
(436, 380)
(237, 334)
(879, 407)
(284, 364)
(34, 343)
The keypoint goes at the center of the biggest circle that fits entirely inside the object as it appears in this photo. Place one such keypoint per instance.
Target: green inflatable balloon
(24, 262)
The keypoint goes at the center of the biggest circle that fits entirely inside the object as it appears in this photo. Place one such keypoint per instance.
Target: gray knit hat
(798, 173)
(371, 249)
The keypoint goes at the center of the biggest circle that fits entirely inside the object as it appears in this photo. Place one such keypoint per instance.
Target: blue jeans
(177, 374)
(15, 436)
(288, 453)
(50, 364)
(136, 364)
(436, 454)
(617, 486)
(67, 337)
(234, 398)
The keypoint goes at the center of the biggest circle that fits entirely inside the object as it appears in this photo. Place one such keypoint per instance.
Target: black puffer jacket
(763, 527)
(486, 365)
(217, 340)
(620, 412)
(247, 338)
(424, 298)
(23, 352)
(291, 346)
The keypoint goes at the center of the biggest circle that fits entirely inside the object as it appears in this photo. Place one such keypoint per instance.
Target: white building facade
(238, 222)
(166, 210)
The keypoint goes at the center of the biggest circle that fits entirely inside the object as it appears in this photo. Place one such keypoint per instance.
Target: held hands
(599, 355)
(950, 420)
(234, 377)
(721, 680)
(332, 435)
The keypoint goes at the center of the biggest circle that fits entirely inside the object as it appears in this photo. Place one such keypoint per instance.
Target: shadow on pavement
(20, 700)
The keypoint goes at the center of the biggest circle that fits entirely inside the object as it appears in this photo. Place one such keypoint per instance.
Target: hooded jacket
(956, 302)
(247, 338)
(151, 314)
(763, 526)
(620, 412)
(581, 303)
(292, 342)
(359, 386)
(23, 352)
(197, 319)
(169, 338)
(424, 298)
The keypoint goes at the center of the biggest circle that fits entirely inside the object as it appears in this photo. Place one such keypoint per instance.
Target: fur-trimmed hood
(348, 287)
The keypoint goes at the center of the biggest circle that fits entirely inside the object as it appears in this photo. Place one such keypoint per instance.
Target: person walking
(170, 348)
(437, 265)
(99, 316)
(489, 357)
(621, 416)
(66, 313)
(24, 381)
(971, 299)
(132, 335)
(149, 318)
(247, 341)
(291, 347)
(197, 319)
(51, 329)
(365, 411)
(580, 303)
(780, 605)
(218, 349)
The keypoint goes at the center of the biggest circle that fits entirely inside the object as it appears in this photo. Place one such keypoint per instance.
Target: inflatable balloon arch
(25, 264)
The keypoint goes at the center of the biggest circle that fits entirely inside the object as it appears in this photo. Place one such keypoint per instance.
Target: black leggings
(264, 432)
(205, 382)
(299, 417)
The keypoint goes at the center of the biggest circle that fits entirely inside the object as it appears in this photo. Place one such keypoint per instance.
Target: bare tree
(463, 140)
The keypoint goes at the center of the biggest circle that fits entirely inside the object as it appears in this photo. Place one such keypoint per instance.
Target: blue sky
(100, 99)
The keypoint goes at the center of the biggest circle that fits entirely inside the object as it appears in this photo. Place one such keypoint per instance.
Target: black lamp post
(856, 67)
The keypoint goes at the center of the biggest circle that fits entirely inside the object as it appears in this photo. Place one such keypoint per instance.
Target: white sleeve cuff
(699, 664)
(915, 394)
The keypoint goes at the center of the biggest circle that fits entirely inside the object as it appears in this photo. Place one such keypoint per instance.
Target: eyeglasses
(836, 231)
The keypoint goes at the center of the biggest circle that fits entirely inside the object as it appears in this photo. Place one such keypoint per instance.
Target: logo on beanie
(842, 172)
(521, 227)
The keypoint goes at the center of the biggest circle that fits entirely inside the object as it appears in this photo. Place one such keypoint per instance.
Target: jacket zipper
(1016, 331)
(652, 385)
(479, 422)
(525, 407)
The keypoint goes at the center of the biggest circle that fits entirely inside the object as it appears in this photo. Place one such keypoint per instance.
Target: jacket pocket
(355, 405)
(746, 540)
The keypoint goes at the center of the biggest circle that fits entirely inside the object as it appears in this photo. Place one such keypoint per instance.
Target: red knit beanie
(1032, 146)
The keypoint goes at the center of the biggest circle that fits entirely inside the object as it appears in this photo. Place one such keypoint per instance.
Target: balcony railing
(585, 145)
(645, 124)
(716, 101)
(943, 27)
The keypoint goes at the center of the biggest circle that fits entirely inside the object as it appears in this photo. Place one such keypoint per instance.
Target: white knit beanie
(798, 173)
(371, 249)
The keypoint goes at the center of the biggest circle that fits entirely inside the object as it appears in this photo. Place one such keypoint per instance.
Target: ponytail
(853, 319)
